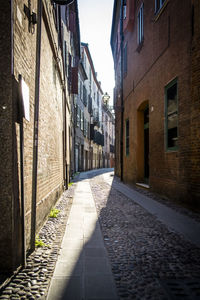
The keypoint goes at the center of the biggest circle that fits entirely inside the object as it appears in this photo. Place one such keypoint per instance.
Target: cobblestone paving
(142, 251)
(178, 207)
(32, 282)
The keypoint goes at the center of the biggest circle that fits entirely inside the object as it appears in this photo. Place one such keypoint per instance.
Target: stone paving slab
(100, 287)
(69, 287)
(85, 273)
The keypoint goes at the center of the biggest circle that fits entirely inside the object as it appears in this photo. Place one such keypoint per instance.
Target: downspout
(65, 171)
(22, 191)
(21, 115)
(36, 118)
(122, 92)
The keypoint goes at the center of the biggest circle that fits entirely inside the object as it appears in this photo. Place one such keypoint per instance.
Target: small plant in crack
(54, 213)
(40, 243)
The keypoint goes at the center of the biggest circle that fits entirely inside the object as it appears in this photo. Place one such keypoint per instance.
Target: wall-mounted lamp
(106, 98)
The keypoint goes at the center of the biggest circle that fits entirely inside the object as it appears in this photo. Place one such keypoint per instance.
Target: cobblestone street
(148, 260)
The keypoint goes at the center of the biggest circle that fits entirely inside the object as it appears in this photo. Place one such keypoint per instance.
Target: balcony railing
(98, 138)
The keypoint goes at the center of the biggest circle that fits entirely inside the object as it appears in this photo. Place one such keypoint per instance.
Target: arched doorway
(143, 143)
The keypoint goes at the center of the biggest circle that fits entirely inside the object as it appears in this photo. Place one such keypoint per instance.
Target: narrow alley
(100, 150)
(114, 246)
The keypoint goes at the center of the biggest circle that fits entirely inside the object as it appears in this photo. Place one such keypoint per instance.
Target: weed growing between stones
(40, 243)
(54, 213)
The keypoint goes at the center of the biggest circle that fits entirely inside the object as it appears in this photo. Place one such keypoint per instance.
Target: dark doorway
(82, 157)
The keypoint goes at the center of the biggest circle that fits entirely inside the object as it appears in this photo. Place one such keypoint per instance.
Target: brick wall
(6, 135)
(165, 54)
(194, 170)
(50, 164)
(50, 146)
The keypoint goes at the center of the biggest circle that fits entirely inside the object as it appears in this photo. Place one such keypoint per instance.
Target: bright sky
(95, 17)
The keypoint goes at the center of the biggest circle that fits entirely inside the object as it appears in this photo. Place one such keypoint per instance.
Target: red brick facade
(168, 50)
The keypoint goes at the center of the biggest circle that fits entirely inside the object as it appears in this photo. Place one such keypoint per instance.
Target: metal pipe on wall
(22, 191)
(21, 124)
(36, 124)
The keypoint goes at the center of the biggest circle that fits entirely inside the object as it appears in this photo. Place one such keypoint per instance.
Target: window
(84, 96)
(65, 58)
(140, 24)
(80, 89)
(88, 130)
(77, 116)
(85, 128)
(97, 98)
(127, 137)
(125, 60)
(158, 5)
(124, 9)
(171, 115)
(82, 120)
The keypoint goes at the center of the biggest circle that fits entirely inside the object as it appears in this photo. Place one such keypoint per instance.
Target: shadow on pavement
(83, 270)
(144, 252)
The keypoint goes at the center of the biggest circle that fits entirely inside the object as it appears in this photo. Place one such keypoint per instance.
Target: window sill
(160, 11)
(170, 150)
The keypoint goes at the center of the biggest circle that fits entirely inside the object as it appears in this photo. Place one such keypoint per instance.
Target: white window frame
(140, 20)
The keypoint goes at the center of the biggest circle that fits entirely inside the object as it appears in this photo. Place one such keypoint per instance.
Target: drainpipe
(21, 115)
(122, 92)
(65, 173)
(36, 118)
(22, 192)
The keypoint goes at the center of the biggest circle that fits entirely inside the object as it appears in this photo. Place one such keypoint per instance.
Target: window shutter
(77, 116)
(72, 21)
(74, 72)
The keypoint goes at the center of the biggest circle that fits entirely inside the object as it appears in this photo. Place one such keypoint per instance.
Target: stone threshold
(143, 185)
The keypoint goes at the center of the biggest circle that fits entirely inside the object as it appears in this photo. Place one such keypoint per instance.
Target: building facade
(36, 85)
(155, 46)
(108, 128)
(92, 99)
(81, 136)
